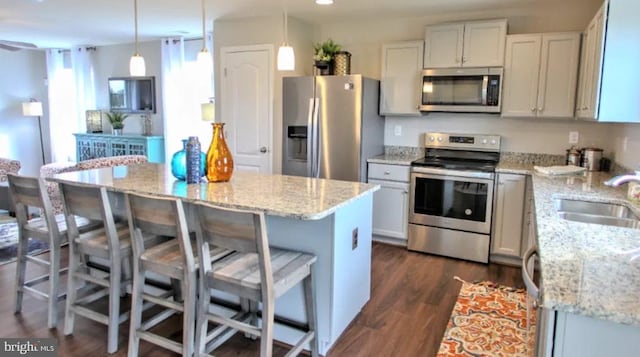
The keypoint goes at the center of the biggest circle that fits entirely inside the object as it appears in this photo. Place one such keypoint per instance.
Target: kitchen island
(328, 218)
(590, 273)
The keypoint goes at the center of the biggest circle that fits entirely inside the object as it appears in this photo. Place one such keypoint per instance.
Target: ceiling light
(205, 62)
(137, 67)
(324, 2)
(286, 56)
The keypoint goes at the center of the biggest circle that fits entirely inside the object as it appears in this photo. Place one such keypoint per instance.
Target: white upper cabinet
(471, 44)
(400, 78)
(590, 66)
(620, 76)
(540, 75)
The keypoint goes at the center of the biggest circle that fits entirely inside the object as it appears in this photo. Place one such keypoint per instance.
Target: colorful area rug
(488, 320)
(9, 243)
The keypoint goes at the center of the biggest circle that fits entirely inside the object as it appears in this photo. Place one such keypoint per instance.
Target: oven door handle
(527, 273)
(444, 173)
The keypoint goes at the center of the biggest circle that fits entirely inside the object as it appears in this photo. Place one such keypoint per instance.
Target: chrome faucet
(619, 180)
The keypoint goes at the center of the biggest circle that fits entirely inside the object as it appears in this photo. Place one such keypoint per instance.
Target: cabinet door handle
(464, 59)
(387, 173)
(540, 109)
(457, 60)
(533, 109)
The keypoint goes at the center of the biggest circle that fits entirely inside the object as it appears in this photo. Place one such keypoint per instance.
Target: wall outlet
(574, 136)
(397, 130)
(354, 239)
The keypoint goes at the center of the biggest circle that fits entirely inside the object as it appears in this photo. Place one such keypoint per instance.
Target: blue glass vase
(179, 162)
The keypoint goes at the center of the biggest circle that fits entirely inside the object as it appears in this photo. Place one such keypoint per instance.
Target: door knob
(263, 149)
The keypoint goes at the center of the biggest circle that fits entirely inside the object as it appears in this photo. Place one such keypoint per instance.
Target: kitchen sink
(611, 214)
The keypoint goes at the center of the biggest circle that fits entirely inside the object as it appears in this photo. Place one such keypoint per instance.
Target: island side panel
(342, 275)
(352, 263)
(309, 236)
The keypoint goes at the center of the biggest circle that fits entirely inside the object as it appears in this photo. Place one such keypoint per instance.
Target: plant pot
(325, 68)
(117, 131)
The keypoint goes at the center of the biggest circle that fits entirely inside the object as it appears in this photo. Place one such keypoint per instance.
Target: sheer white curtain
(82, 64)
(61, 106)
(184, 89)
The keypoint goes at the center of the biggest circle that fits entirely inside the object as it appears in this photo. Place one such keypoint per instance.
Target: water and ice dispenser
(295, 162)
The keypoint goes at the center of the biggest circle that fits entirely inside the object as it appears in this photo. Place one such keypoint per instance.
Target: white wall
(547, 136)
(113, 61)
(22, 76)
(260, 31)
(626, 140)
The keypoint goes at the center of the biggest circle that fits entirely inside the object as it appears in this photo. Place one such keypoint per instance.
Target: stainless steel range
(451, 199)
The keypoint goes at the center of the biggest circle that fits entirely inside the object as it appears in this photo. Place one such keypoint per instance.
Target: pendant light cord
(285, 26)
(204, 38)
(135, 21)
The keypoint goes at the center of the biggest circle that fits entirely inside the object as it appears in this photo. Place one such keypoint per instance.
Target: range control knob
(439, 139)
(431, 138)
(493, 142)
(484, 141)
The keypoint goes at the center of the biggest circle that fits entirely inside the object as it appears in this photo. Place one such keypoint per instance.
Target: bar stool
(254, 271)
(109, 246)
(174, 259)
(30, 192)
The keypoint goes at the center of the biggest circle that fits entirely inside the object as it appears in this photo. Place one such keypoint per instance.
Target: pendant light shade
(205, 62)
(137, 68)
(286, 56)
(324, 2)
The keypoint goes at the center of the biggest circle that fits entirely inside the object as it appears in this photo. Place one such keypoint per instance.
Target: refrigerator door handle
(317, 137)
(310, 140)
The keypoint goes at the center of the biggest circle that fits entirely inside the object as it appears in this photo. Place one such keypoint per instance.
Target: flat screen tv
(132, 94)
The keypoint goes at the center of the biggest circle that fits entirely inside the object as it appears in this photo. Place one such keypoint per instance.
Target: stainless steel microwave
(461, 90)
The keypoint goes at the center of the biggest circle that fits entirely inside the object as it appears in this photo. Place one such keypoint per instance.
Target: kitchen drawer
(389, 172)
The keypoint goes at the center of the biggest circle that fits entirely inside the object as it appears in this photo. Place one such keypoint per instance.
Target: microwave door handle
(485, 88)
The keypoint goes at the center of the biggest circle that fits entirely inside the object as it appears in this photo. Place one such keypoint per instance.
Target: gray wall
(23, 75)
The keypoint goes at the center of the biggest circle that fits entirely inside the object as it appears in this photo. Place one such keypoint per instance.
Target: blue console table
(91, 146)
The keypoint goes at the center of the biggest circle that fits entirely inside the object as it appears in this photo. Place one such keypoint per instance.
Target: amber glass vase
(219, 159)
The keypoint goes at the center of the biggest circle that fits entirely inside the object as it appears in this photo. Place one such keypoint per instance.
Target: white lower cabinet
(567, 335)
(511, 219)
(390, 203)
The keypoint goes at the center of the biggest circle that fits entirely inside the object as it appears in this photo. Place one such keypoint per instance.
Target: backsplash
(532, 158)
(403, 150)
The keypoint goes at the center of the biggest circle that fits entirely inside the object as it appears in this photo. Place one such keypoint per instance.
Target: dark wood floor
(412, 295)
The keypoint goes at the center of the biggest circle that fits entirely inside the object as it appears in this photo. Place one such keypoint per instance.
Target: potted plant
(117, 121)
(324, 52)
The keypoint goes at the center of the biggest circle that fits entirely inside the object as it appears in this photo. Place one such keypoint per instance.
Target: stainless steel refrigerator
(331, 126)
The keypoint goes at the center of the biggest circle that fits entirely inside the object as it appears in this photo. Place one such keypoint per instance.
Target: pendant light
(137, 67)
(324, 2)
(286, 57)
(205, 62)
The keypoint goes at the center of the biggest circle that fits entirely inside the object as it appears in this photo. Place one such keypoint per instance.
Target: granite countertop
(587, 269)
(287, 196)
(395, 158)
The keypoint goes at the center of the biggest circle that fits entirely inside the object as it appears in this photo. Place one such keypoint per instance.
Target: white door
(246, 105)
(400, 81)
(522, 63)
(558, 75)
(443, 46)
(484, 43)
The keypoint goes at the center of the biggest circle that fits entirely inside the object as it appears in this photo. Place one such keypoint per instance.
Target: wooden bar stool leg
(136, 308)
(54, 282)
(310, 302)
(266, 339)
(73, 283)
(189, 315)
(114, 304)
(21, 269)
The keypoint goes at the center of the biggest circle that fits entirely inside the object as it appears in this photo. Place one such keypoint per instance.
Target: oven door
(459, 200)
